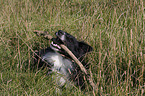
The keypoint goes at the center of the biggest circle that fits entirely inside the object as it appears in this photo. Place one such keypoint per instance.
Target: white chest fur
(55, 59)
(60, 66)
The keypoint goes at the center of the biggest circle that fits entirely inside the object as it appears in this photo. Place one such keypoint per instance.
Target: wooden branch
(74, 58)
(46, 36)
(39, 33)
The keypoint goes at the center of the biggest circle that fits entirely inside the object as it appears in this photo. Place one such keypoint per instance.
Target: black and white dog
(60, 63)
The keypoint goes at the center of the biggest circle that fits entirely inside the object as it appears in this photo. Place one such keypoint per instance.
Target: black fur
(57, 60)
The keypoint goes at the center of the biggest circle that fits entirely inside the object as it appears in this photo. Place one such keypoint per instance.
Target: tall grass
(115, 29)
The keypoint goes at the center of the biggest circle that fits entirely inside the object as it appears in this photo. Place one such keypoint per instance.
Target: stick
(45, 34)
(65, 48)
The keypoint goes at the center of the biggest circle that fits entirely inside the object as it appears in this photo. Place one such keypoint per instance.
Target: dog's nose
(60, 32)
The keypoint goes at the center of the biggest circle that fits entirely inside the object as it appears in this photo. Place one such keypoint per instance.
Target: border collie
(60, 63)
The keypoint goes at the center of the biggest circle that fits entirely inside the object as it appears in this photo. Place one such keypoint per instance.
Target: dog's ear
(85, 47)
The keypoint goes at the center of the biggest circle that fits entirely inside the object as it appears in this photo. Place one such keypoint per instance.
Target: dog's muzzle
(54, 46)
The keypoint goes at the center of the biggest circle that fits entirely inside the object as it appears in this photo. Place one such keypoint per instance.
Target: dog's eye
(70, 40)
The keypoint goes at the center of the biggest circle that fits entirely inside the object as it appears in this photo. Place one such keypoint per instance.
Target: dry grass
(115, 29)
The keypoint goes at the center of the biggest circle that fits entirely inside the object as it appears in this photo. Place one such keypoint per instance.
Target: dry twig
(65, 48)
(45, 35)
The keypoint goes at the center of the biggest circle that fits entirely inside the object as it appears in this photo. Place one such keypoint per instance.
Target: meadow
(114, 28)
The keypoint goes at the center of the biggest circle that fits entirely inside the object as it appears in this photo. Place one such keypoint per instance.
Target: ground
(114, 28)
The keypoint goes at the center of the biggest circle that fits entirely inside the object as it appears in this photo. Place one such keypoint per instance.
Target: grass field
(114, 28)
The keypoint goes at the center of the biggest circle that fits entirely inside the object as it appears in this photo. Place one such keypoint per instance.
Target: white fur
(62, 37)
(54, 58)
(60, 67)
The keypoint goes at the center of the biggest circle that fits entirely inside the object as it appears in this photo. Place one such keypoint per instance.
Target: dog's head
(76, 47)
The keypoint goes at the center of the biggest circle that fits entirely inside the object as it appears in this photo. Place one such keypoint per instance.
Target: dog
(60, 63)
